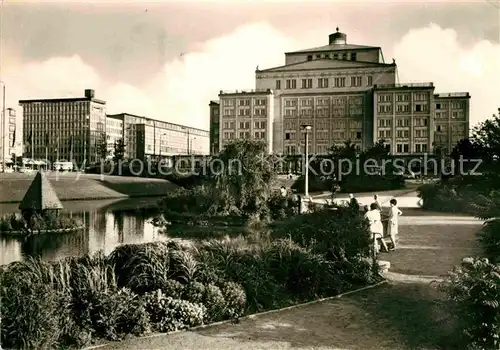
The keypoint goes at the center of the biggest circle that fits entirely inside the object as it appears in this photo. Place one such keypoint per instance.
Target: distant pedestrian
(393, 224)
(283, 191)
(377, 203)
(353, 202)
(366, 209)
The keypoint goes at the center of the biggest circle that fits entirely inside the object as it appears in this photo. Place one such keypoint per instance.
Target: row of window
(454, 115)
(404, 134)
(404, 97)
(324, 112)
(402, 122)
(230, 135)
(325, 124)
(334, 56)
(246, 125)
(243, 102)
(324, 83)
(231, 112)
(402, 108)
(325, 135)
(323, 101)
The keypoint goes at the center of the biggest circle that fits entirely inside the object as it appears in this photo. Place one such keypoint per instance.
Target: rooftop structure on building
(88, 96)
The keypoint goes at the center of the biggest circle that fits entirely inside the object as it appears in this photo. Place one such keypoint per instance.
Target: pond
(109, 223)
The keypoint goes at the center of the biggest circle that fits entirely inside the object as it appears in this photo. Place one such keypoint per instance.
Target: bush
(474, 287)
(173, 289)
(215, 302)
(489, 239)
(236, 299)
(283, 207)
(168, 314)
(316, 183)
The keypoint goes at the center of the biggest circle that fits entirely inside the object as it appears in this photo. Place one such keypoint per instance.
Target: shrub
(173, 289)
(474, 287)
(282, 207)
(236, 299)
(489, 239)
(194, 292)
(168, 314)
(215, 302)
(316, 183)
(195, 200)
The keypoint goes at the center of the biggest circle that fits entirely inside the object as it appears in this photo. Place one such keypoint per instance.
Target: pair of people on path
(376, 226)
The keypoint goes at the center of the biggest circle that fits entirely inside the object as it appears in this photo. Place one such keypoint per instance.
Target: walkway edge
(247, 317)
(401, 277)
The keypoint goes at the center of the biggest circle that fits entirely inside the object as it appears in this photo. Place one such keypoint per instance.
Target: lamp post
(306, 127)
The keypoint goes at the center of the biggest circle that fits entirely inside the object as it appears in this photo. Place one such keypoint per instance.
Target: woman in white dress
(393, 224)
(376, 227)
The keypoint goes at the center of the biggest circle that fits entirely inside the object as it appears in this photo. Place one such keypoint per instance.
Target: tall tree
(487, 134)
(241, 182)
(102, 146)
(119, 150)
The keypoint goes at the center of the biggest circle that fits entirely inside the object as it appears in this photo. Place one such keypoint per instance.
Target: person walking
(353, 202)
(393, 224)
(376, 227)
(377, 202)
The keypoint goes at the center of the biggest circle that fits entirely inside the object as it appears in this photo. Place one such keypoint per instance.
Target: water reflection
(108, 224)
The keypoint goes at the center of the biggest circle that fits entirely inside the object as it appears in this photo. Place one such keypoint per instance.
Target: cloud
(435, 54)
(179, 93)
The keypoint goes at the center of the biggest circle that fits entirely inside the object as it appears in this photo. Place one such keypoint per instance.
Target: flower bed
(165, 286)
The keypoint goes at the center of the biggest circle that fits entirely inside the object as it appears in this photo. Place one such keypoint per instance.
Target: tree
(102, 147)
(487, 134)
(119, 150)
(468, 149)
(241, 183)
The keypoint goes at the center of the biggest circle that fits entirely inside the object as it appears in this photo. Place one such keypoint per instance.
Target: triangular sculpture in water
(40, 196)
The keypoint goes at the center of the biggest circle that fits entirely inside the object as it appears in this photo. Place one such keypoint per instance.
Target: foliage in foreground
(165, 286)
(474, 288)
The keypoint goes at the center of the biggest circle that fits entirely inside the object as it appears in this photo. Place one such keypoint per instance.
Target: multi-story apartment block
(403, 117)
(147, 138)
(246, 115)
(64, 128)
(114, 132)
(214, 126)
(451, 119)
(328, 88)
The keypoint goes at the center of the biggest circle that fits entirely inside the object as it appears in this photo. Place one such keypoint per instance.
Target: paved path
(394, 316)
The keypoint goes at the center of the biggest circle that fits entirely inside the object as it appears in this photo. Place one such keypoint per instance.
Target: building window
(309, 58)
(278, 84)
(344, 56)
(356, 81)
(291, 84)
(322, 82)
(358, 135)
(339, 82)
(438, 105)
(369, 80)
(353, 56)
(306, 83)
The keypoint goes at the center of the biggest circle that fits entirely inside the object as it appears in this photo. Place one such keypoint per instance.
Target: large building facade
(146, 138)
(246, 115)
(347, 92)
(64, 128)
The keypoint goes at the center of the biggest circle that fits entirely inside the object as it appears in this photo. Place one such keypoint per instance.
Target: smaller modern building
(246, 114)
(214, 127)
(147, 138)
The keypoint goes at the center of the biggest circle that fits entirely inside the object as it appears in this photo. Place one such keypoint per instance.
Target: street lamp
(164, 134)
(306, 127)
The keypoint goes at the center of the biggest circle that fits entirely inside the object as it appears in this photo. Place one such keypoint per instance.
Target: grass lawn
(432, 245)
(392, 316)
(73, 186)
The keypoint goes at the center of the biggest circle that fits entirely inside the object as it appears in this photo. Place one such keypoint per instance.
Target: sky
(167, 60)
